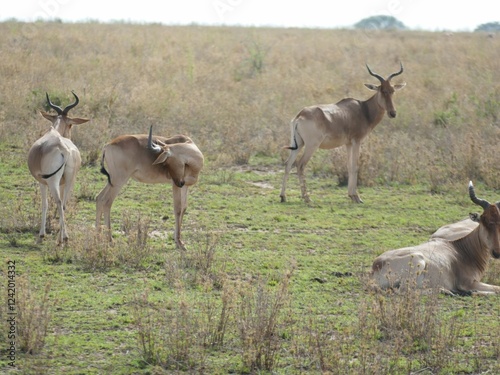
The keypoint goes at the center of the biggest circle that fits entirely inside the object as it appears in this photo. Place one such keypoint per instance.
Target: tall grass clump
(262, 321)
(412, 322)
(171, 338)
(34, 309)
(199, 265)
(179, 336)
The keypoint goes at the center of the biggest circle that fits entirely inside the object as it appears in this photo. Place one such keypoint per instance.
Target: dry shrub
(412, 321)
(170, 338)
(261, 322)
(198, 265)
(33, 315)
(93, 251)
(179, 337)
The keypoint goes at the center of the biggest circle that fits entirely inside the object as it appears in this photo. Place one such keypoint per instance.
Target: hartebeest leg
(180, 205)
(478, 287)
(45, 205)
(352, 170)
(56, 194)
(301, 166)
(288, 168)
(104, 201)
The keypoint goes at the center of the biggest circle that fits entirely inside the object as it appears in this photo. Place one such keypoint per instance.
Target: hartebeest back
(333, 125)
(454, 266)
(54, 161)
(150, 160)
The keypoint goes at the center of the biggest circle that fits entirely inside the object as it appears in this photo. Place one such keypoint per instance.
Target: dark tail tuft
(45, 176)
(104, 171)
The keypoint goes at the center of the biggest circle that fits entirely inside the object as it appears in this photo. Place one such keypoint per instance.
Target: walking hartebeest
(176, 160)
(333, 125)
(54, 161)
(454, 266)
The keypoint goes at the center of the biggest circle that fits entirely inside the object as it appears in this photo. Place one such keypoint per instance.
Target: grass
(264, 287)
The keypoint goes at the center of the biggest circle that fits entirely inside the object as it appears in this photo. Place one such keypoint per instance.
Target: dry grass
(234, 91)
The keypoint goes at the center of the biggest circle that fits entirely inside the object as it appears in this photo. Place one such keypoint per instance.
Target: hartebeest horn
(480, 202)
(64, 111)
(378, 76)
(53, 106)
(397, 73)
(153, 147)
(68, 107)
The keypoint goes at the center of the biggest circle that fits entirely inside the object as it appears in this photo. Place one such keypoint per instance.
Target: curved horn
(379, 77)
(151, 146)
(396, 74)
(68, 107)
(53, 106)
(480, 202)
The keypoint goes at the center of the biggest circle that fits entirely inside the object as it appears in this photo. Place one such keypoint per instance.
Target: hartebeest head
(174, 165)
(61, 122)
(385, 90)
(489, 222)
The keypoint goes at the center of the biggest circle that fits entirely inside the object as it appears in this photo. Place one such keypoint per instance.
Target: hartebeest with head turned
(150, 160)
(333, 125)
(54, 161)
(452, 265)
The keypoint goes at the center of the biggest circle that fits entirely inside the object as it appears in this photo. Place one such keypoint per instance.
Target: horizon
(421, 15)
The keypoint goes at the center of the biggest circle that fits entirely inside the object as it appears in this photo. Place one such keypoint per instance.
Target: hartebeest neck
(372, 110)
(471, 252)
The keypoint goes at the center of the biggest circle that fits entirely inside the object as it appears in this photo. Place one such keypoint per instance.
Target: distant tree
(380, 23)
(489, 27)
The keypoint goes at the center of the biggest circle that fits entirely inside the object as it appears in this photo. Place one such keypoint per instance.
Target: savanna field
(264, 287)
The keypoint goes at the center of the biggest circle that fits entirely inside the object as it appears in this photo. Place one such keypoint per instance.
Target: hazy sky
(453, 15)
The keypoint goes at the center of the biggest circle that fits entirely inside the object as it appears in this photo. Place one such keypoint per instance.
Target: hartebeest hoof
(355, 198)
(283, 198)
(180, 245)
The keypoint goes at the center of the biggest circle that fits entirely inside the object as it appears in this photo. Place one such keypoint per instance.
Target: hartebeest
(333, 125)
(54, 161)
(176, 160)
(453, 266)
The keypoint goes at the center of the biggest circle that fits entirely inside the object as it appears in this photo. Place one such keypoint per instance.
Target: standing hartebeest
(54, 161)
(176, 160)
(454, 266)
(333, 125)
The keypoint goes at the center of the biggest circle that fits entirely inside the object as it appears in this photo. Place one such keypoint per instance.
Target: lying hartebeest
(54, 161)
(454, 266)
(333, 125)
(176, 160)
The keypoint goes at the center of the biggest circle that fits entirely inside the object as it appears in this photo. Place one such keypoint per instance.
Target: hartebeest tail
(149, 159)
(54, 161)
(329, 126)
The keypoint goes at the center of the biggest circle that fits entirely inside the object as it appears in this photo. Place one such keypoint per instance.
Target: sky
(432, 15)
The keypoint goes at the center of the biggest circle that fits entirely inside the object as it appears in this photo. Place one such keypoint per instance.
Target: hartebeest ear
(399, 86)
(474, 217)
(372, 87)
(48, 116)
(77, 120)
(163, 156)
